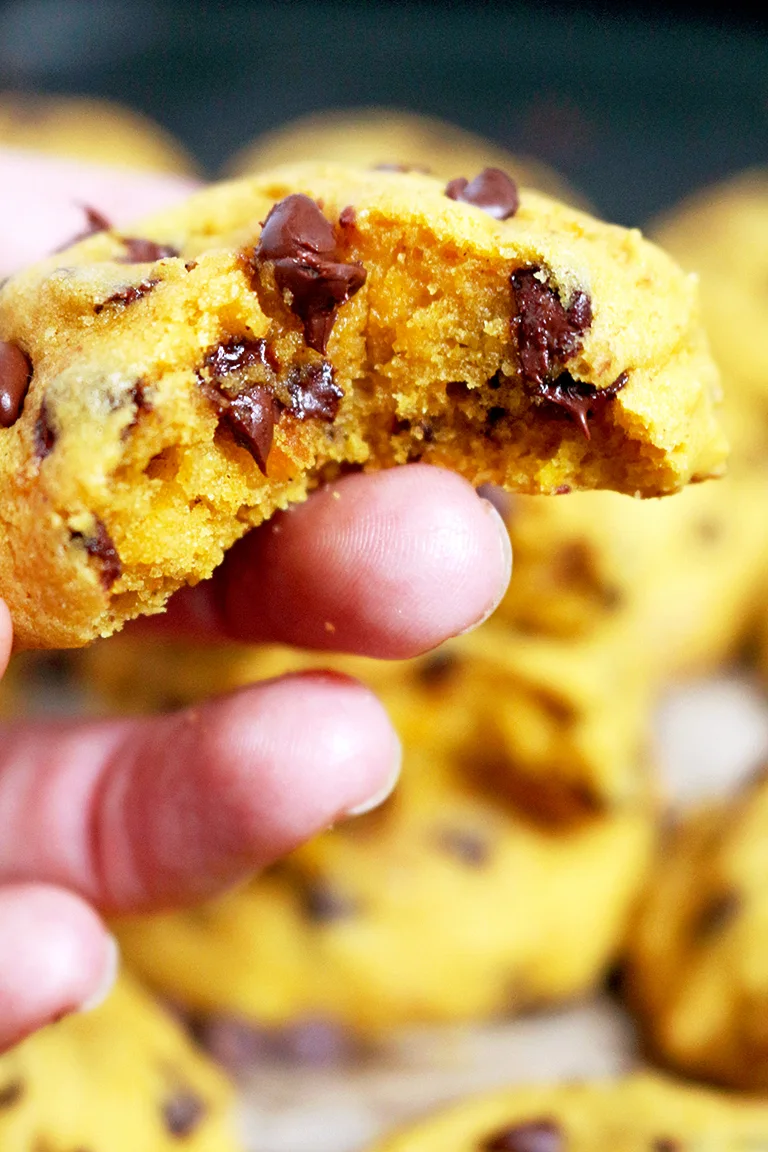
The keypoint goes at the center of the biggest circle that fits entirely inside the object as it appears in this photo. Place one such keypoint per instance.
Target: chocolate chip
(562, 490)
(238, 353)
(314, 392)
(466, 845)
(141, 251)
(347, 216)
(44, 434)
(101, 547)
(578, 399)
(437, 669)
(546, 333)
(251, 417)
(127, 295)
(532, 1136)
(11, 1093)
(493, 191)
(301, 245)
(402, 168)
(322, 903)
(183, 1113)
(665, 1144)
(717, 914)
(95, 222)
(15, 375)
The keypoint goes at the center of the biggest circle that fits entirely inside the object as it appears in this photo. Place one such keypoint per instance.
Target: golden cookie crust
(123, 1078)
(645, 1112)
(124, 478)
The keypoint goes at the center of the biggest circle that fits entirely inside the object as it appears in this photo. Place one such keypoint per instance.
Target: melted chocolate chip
(493, 191)
(301, 244)
(314, 392)
(438, 669)
(15, 375)
(466, 845)
(578, 399)
(44, 435)
(532, 1136)
(102, 548)
(347, 216)
(322, 903)
(127, 295)
(141, 251)
(183, 1113)
(237, 354)
(11, 1093)
(717, 915)
(251, 417)
(546, 333)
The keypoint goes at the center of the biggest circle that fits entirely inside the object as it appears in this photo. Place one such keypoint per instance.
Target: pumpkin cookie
(161, 392)
(122, 1078)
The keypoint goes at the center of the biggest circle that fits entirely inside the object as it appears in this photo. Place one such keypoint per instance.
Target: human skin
(104, 816)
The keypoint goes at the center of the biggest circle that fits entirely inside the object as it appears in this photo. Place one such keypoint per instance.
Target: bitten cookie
(96, 131)
(697, 967)
(121, 1079)
(391, 139)
(161, 392)
(645, 1112)
(443, 905)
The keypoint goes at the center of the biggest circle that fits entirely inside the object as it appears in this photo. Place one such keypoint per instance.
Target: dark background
(636, 103)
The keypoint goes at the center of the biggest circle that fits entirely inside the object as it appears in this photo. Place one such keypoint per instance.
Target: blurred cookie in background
(92, 130)
(721, 233)
(697, 967)
(394, 138)
(444, 905)
(123, 1077)
(642, 1111)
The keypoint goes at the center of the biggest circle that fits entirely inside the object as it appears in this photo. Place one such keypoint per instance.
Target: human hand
(105, 816)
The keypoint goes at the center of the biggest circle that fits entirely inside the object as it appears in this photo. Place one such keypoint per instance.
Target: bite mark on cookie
(300, 244)
(492, 191)
(530, 1136)
(15, 377)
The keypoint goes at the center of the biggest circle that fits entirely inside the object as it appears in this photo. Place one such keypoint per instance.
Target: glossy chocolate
(126, 296)
(493, 191)
(301, 245)
(578, 399)
(314, 392)
(546, 334)
(15, 377)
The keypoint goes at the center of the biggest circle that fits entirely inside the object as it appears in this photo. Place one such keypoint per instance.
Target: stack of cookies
(164, 391)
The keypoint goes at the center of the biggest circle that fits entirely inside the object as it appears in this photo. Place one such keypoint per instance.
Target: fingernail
(108, 977)
(506, 558)
(384, 792)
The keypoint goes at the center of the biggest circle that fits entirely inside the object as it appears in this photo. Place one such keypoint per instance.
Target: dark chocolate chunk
(237, 354)
(15, 375)
(301, 244)
(546, 333)
(126, 296)
(141, 251)
(322, 903)
(314, 392)
(717, 914)
(11, 1093)
(102, 548)
(493, 191)
(44, 434)
(251, 417)
(183, 1113)
(530, 1136)
(438, 668)
(95, 222)
(465, 844)
(578, 399)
